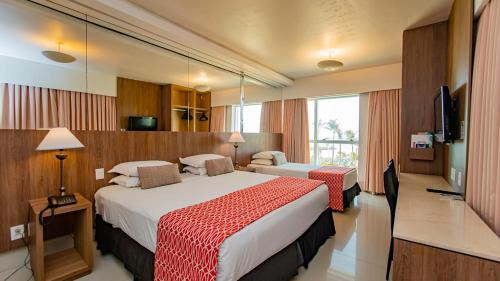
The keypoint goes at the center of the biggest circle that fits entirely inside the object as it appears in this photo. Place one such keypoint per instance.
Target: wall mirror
(85, 74)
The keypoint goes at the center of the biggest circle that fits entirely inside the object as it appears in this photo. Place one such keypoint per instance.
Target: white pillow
(195, 171)
(198, 161)
(265, 162)
(265, 155)
(126, 181)
(130, 168)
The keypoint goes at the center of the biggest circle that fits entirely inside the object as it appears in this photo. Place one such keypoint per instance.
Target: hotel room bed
(350, 184)
(135, 213)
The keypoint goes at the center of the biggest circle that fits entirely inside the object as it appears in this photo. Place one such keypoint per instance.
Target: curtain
(217, 119)
(296, 131)
(28, 107)
(270, 117)
(483, 169)
(384, 110)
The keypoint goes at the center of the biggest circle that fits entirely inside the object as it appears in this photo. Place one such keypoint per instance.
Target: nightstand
(245, 169)
(66, 264)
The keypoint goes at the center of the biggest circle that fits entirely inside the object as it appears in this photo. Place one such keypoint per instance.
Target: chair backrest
(394, 176)
(390, 193)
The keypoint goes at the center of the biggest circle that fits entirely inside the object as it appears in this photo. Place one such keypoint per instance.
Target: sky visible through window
(344, 110)
(251, 121)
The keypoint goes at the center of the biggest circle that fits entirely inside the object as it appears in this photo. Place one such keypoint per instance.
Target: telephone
(54, 202)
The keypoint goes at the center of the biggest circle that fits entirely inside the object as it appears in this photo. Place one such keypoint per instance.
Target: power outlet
(16, 232)
(459, 180)
(452, 174)
(99, 174)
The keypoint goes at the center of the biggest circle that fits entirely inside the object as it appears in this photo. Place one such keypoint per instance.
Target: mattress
(302, 171)
(137, 212)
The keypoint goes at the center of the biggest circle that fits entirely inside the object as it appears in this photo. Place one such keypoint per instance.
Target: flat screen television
(445, 119)
(142, 123)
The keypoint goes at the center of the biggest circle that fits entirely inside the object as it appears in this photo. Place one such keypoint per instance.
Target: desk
(438, 238)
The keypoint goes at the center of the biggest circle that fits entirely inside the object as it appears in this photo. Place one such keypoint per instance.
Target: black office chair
(394, 176)
(390, 194)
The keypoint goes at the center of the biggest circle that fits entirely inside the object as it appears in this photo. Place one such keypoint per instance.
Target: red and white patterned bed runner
(333, 177)
(188, 240)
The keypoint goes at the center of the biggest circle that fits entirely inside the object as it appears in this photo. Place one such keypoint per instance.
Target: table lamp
(236, 138)
(60, 139)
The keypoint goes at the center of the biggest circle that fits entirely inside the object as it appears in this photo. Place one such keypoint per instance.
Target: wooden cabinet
(67, 264)
(185, 109)
(418, 262)
(178, 108)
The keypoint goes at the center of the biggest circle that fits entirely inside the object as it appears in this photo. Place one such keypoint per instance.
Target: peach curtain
(483, 170)
(27, 107)
(296, 131)
(384, 111)
(217, 119)
(270, 117)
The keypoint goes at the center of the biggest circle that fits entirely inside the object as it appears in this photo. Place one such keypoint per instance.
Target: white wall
(253, 94)
(29, 73)
(355, 81)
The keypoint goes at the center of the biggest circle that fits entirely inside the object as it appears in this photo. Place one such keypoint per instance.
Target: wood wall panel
(137, 98)
(417, 262)
(424, 70)
(27, 174)
(460, 26)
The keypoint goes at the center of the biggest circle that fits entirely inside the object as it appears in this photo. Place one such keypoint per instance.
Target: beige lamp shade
(59, 138)
(236, 137)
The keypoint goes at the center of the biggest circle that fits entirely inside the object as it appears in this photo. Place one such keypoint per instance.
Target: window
(251, 119)
(334, 131)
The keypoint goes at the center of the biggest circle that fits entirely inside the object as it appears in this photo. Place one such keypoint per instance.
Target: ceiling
(28, 29)
(292, 36)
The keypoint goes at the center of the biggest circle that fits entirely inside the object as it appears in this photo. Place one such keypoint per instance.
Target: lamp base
(62, 191)
(236, 164)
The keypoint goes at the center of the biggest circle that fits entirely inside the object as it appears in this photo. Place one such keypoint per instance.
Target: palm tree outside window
(334, 130)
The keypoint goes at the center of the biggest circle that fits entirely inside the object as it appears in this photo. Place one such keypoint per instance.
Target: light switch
(99, 174)
(459, 180)
(452, 174)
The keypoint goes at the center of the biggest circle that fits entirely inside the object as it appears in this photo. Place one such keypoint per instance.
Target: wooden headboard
(27, 174)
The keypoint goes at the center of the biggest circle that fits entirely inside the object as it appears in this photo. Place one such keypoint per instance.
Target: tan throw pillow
(219, 166)
(279, 159)
(158, 175)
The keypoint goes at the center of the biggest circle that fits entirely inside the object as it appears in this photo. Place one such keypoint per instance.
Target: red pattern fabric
(333, 177)
(188, 239)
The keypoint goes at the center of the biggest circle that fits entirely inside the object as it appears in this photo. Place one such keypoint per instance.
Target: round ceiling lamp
(202, 88)
(58, 56)
(330, 65)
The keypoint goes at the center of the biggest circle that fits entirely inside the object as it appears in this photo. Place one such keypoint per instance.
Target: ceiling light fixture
(202, 88)
(59, 56)
(330, 64)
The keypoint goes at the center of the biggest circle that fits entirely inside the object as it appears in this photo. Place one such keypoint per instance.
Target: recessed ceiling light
(59, 56)
(330, 65)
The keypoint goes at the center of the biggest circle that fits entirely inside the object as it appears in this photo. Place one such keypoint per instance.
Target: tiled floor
(357, 252)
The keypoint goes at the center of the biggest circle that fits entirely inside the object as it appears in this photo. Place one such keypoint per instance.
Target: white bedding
(137, 212)
(302, 171)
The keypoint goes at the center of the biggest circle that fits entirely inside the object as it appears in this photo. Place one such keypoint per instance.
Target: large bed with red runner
(236, 226)
(342, 182)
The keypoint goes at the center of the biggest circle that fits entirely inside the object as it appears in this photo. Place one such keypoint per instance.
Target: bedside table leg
(36, 246)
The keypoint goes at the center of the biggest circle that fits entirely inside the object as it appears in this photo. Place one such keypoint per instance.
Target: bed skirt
(282, 266)
(349, 194)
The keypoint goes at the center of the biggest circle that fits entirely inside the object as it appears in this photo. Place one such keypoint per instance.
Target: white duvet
(301, 170)
(137, 212)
